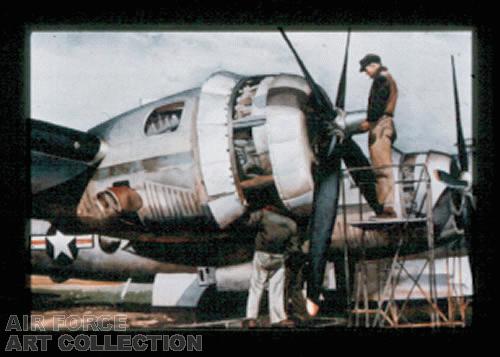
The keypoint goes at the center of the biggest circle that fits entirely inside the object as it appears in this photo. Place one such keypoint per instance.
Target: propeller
(458, 180)
(327, 174)
(326, 185)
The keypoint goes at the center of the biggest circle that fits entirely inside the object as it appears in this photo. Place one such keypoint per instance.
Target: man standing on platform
(380, 125)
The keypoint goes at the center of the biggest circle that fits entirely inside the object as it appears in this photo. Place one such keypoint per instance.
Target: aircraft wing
(62, 162)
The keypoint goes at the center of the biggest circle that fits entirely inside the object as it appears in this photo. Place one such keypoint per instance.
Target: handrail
(424, 177)
(373, 168)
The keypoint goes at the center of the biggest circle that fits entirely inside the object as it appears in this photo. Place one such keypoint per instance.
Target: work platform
(414, 222)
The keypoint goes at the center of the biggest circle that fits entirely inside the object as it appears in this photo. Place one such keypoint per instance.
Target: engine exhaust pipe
(118, 200)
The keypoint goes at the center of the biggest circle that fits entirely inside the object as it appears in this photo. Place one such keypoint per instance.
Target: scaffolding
(415, 222)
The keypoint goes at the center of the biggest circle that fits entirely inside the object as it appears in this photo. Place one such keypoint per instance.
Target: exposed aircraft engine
(270, 140)
(247, 128)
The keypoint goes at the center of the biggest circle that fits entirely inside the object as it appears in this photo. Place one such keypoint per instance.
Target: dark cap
(369, 58)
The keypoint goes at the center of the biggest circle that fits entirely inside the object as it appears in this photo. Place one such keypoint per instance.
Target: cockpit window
(164, 119)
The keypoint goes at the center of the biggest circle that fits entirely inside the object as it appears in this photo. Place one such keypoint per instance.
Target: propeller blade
(462, 151)
(323, 218)
(341, 91)
(331, 147)
(354, 157)
(322, 103)
(450, 181)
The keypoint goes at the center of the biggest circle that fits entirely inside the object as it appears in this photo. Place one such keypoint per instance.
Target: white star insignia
(61, 242)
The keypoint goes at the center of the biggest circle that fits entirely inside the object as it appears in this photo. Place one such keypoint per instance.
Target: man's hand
(365, 126)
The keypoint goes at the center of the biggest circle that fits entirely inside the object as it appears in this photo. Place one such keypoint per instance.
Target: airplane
(171, 181)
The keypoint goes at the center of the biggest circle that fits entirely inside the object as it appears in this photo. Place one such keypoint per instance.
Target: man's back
(277, 234)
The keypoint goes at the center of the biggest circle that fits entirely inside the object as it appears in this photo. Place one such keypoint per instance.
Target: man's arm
(294, 243)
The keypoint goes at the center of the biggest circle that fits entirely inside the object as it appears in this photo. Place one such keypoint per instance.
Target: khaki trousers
(270, 268)
(381, 136)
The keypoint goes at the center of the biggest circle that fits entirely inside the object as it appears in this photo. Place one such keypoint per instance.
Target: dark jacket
(277, 234)
(383, 95)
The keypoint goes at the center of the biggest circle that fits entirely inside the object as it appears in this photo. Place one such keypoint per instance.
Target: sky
(80, 79)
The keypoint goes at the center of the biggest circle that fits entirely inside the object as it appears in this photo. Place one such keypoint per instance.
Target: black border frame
(14, 52)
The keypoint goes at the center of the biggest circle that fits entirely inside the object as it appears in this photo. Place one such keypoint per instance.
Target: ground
(80, 300)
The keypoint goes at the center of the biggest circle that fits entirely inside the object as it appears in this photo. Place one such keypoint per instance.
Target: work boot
(387, 213)
(250, 323)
